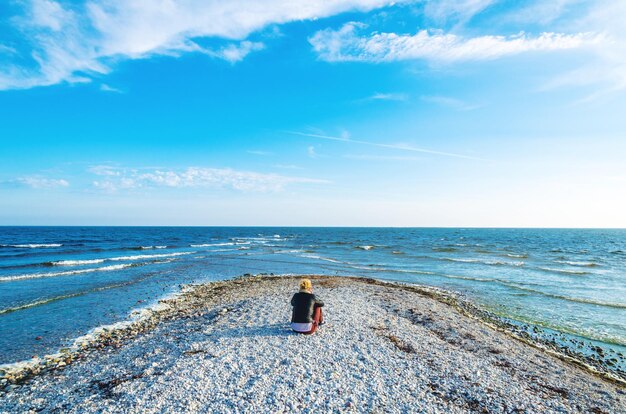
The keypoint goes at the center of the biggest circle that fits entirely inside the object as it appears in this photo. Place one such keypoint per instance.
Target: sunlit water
(57, 283)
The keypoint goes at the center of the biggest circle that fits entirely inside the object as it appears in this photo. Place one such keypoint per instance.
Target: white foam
(117, 259)
(77, 262)
(572, 272)
(148, 256)
(211, 244)
(575, 263)
(32, 246)
(517, 256)
(327, 259)
(66, 273)
(365, 247)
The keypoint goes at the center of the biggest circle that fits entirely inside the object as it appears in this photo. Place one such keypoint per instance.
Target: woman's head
(305, 284)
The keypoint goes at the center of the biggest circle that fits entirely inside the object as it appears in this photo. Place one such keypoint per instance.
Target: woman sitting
(307, 309)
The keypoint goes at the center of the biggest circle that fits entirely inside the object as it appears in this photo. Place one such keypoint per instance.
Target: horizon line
(317, 227)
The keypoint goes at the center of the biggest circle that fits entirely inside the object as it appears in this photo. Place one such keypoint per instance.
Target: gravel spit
(386, 348)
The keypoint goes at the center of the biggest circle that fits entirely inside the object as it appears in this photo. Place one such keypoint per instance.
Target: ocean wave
(499, 282)
(211, 244)
(568, 298)
(444, 249)
(417, 272)
(261, 240)
(397, 252)
(135, 316)
(366, 247)
(75, 262)
(486, 262)
(517, 256)
(151, 247)
(576, 263)
(72, 295)
(67, 273)
(375, 268)
(169, 260)
(566, 271)
(148, 256)
(287, 251)
(115, 259)
(37, 303)
(326, 259)
(32, 246)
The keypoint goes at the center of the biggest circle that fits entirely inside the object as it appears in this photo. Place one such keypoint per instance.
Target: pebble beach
(386, 347)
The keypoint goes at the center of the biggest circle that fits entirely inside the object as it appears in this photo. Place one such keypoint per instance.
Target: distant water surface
(57, 283)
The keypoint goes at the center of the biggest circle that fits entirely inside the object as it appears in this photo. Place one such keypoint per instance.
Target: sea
(59, 283)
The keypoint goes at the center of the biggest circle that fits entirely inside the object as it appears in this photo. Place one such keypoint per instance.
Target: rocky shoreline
(461, 358)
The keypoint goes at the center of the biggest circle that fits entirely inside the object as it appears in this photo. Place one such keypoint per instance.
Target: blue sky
(335, 112)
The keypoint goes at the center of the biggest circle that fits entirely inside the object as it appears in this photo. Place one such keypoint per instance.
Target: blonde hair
(305, 284)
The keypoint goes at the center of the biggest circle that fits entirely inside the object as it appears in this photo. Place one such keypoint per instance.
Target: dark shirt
(304, 305)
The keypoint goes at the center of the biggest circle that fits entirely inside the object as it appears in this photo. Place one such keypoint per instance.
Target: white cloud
(346, 44)
(399, 146)
(49, 14)
(606, 71)
(311, 151)
(449, 102)
(105, 170)
(7, 50)
(462, 10)
(401, 97)
(72, 44)
(41, 182)
(106, 88)
(198, 177)
(260, 152)
(235, 53)
(539, 11)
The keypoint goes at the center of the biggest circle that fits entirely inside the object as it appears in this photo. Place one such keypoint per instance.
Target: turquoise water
(57, 283)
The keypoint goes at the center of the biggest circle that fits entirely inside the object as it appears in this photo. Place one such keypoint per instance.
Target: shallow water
(57, 283)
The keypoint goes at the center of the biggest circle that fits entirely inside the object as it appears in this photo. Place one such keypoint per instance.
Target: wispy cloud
(370, 157)
(399, 97)
(400, 147)
(7, 50)
(195, 177)
(39, 182)
(260, 152)
(235, 52)
(449, 102)
(106, 88)
(605, 71)
(105, 170)
(460, 11)
(311, 151)
(75, 43)
(287, 166)
(345, 45)
(542, 12)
